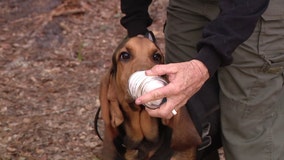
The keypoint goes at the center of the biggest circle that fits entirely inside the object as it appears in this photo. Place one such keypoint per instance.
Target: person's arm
(137, 18)
(232, 27)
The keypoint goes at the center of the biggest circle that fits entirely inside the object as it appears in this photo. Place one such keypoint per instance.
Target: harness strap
(96, 123)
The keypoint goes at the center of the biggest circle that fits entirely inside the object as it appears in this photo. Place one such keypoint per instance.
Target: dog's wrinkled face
(138, 53)
(118, 110)
(129, 130)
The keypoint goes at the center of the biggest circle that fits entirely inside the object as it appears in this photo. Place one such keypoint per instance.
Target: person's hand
(185, 79)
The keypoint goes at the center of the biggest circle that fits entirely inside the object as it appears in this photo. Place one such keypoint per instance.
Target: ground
(52, 55)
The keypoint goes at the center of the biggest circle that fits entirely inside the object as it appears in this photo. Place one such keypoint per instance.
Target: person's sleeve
(233, 26)
(136, 18)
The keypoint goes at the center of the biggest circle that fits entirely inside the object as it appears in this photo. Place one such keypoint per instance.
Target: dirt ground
(52, 54)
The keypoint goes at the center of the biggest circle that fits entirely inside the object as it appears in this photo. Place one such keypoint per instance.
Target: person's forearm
(136, 19)
(232, 27)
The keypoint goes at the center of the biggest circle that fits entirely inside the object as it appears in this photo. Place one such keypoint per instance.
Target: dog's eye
(157, 57)
(124, 56)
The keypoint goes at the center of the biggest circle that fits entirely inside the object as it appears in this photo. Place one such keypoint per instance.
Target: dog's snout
(142, 67)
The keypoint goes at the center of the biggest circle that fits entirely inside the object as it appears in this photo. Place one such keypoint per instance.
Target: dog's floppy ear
(111, 112)
(184, 133)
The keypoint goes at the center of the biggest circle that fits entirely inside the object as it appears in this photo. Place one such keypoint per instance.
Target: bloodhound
(130, 133)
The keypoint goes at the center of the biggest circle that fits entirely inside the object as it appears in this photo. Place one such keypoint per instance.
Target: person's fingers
(185, 79)
(163, 69)
(164, 111)
(156, 94)
(168, 109)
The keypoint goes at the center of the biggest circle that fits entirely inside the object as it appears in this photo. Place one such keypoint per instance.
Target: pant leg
(185, 22)
(252, 95)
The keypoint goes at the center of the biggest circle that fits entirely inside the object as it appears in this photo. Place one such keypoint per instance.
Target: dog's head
(133, 54)
(136, 54)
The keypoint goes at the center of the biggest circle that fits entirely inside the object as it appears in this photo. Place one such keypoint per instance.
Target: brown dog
(130, 133)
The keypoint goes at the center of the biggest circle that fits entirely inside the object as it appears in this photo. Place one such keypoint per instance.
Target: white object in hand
(139, 84)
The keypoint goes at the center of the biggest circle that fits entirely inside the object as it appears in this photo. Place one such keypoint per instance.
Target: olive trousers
(251, 88)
